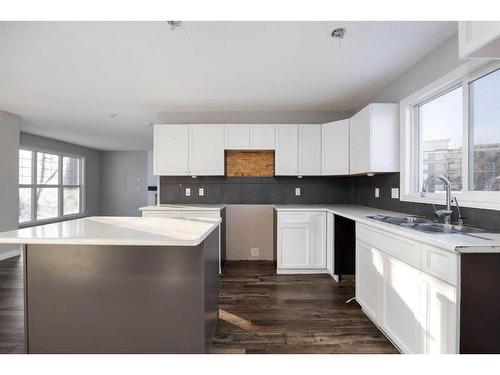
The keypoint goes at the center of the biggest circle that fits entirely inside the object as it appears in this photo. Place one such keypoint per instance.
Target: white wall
(124, 182)
(251, 117)
(9, 178)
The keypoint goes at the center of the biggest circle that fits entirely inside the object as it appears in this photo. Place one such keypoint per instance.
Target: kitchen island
(120, 284)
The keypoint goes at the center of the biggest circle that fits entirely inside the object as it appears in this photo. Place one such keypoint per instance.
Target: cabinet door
(335, 148)
(287, 150)
(262, 137)
(206, 150)
(479, 39)
(294, 247)
(317, 257)
(170, 154)
(369, 269)
(330, 233)
(237, 136)
(309, 150)
(440, 316)
(359, 142)
(401, 305)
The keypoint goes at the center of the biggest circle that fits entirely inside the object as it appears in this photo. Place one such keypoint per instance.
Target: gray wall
(9, 177)
(434, 65)
(92, 166)
(124, 182)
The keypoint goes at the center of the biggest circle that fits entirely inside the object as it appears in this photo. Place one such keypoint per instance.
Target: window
(452, 128)
(440, 144)
(49, 186)
(484, 138)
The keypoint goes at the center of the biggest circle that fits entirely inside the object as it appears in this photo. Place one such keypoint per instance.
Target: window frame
(409, 139)
(59, 186)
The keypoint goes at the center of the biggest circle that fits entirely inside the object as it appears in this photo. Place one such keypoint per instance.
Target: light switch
(297, 191)
(395, 193)
(201, 192)
(188, 192)
(377, 192)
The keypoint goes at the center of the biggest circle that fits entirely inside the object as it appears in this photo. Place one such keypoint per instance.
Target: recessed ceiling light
(112, 115)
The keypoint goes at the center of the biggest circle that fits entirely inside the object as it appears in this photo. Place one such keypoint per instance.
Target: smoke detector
(174, 24)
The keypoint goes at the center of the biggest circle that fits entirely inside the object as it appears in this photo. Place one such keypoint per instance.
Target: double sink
(426, 225)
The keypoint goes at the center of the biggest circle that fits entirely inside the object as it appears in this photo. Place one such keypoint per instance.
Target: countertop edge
(390, 228)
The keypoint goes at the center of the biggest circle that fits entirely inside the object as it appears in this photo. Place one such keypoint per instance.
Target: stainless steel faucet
(446, 214)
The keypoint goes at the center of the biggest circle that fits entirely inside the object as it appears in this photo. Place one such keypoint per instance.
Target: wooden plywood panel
(250, 163)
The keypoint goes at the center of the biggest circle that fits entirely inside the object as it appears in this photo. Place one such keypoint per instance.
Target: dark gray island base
(121, 299)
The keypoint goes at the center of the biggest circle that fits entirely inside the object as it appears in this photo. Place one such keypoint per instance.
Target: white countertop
(107, 230)
(184, 207)
(454, 242)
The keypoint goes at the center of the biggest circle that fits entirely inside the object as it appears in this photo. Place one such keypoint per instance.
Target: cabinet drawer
(406, 250)
(440, 263)
(294, 217)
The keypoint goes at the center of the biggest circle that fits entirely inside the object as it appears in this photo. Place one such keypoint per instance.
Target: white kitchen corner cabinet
(373, 139)
(335, 148)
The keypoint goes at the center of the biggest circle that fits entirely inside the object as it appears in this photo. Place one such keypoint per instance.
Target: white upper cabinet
(335, 148)
(262, 137)
(206, 150)
(237, 136)
(479, 39)
(373, 139)
(309, 150)
(287, 150)
(189, 150)
(171, 150)
(249, 137)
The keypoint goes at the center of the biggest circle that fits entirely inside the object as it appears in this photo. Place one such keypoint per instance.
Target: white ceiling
(65, 78)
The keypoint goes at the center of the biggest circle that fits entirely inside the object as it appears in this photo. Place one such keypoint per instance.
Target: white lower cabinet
(416, 310)
(400, 315)
(301, 242)
(440, 321)
(368, 279)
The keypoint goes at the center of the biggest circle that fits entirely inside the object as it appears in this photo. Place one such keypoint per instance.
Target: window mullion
(34, 156)
(59, 187)
(465, 147)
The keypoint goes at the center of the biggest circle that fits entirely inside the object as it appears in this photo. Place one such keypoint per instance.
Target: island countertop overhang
(107, 230)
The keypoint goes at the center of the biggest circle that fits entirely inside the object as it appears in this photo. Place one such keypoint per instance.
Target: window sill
(488, 200)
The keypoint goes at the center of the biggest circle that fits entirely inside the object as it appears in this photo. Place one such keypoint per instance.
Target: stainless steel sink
(425, 225)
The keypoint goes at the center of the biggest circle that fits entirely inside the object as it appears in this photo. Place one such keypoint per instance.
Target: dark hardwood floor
(260, 312)
(11, 306)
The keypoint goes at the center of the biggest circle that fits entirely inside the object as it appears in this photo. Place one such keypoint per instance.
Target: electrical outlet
(377, 192)
(297, 191)
(395, 193)
(188, 192)
(254, 251)
(201, 192)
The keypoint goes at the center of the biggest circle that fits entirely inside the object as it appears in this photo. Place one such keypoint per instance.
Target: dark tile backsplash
(363, 193)
(314, 190)
(256, 190)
